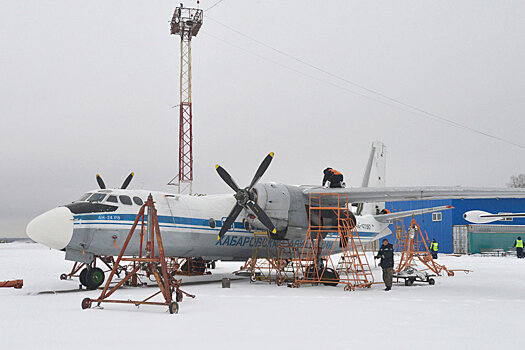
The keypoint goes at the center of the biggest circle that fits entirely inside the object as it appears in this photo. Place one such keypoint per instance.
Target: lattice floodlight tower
(186, 23)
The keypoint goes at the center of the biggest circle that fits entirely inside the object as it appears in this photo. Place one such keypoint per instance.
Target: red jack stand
(148, 262)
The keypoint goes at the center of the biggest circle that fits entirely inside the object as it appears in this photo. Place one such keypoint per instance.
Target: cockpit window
(138, 201)
(112, 199)
(125, 200)
(84, 197)
(96, 197)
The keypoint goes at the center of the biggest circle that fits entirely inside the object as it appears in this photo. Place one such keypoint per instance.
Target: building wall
(506, 205)
(442, 230)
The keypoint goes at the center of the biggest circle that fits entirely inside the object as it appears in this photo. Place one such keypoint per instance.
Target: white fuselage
(189, 226)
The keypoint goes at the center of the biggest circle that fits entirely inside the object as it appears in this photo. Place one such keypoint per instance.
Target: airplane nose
(54, 228)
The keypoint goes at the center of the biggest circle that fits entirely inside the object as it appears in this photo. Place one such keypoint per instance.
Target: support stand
(332, 222)
(147, 261)
(415, 247)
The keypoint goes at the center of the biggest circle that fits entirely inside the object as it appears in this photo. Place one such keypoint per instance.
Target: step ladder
(353, 261)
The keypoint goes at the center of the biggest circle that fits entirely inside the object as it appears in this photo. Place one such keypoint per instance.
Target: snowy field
(484, 309)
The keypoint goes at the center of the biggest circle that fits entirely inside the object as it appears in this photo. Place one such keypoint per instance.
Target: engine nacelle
(274, 199)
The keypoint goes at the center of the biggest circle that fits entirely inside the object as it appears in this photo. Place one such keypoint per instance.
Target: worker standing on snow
(519, 248)
(386, 254)
(334, 176)
(434, 249)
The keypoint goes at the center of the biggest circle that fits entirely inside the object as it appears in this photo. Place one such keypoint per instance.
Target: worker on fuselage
(334, 176)
(519, 247)
(386, 254)
(434, 249)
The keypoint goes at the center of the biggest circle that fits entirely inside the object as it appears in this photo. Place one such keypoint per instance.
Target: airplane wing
(389, 218)
(393, 194)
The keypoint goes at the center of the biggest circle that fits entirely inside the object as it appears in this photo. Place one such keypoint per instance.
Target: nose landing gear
(92, 277)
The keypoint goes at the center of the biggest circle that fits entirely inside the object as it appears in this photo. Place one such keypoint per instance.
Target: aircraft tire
(82, 277)
(94, 278)
(330, 274)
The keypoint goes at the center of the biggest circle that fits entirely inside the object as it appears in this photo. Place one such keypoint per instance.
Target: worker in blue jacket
(386, 254)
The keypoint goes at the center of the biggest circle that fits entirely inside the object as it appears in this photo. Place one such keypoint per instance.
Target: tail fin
(377, 166)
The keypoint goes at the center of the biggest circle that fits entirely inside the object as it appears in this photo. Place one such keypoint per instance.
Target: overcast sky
(88, 87)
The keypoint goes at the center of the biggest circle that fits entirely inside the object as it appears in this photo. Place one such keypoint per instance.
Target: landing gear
(95, 277)
(92, 278)
(82, 277)
(194, 266)
(331, 277)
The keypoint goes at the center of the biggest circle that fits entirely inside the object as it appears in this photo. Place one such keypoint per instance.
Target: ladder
(353, 261)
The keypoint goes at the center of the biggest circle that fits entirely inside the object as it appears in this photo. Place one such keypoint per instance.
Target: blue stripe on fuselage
(195, 223)
(176, 220)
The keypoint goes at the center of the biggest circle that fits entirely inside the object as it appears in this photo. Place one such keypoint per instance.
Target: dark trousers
(335, 181)
(434, 254)
(388, 274)
(519, 253)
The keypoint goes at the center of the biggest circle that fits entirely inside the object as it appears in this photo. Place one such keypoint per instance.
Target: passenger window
(96, 197)
(138, 201)
(112, 199)
(125, 200)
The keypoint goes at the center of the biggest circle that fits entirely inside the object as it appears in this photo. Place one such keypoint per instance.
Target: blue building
(445, 225)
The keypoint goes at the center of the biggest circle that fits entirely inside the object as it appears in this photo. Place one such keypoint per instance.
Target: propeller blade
(261, 215)
(262, 169)
(227, 178)
(230, 220)
(126, 182)
(100, 182)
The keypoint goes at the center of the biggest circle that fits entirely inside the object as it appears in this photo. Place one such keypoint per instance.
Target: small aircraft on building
(220, 227)
(483, 217)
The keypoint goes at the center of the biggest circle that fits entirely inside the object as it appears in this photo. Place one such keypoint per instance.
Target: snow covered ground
(483, 309)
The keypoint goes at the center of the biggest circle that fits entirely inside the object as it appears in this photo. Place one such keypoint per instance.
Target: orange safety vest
(335, 172)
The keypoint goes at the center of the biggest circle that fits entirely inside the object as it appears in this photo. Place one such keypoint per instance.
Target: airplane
(220, 227)
(483, 217)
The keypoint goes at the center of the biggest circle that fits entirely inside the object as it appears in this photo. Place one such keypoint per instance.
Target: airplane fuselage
(102, 219)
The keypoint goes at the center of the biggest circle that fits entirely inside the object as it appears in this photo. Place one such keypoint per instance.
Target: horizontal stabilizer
(389, 218)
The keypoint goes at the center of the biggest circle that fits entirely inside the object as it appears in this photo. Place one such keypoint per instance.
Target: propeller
(127, 181)
(244, 197)
(100, 182)
(125, 184)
